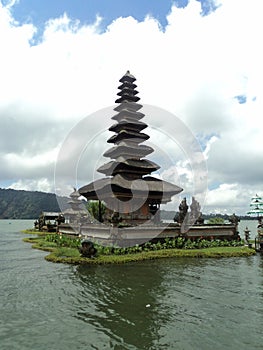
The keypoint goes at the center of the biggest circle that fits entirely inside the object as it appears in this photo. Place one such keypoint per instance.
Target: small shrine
(76, 210)
(131, 194)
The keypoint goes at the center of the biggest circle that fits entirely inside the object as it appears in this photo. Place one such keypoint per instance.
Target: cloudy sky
(198, 67)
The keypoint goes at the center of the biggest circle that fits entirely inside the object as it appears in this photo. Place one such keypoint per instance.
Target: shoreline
(72, 256)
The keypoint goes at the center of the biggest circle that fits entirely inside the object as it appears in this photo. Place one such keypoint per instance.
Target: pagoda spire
(128, 153)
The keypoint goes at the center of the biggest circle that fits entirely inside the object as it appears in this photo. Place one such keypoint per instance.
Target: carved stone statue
(234, 219)
(195, 214)
(183, 208)
(87, 249)
(247, 234)
(195, 208)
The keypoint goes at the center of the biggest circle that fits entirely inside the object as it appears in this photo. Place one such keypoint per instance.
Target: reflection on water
(191, 301)
(164, 304)
(124, 301)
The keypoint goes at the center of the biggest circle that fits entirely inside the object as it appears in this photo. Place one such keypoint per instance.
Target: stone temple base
(129, 236)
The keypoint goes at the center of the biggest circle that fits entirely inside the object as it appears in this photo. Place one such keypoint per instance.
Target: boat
(256, 210)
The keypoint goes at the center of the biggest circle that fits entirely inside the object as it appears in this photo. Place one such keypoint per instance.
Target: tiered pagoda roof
(76, 205)
(128, 162)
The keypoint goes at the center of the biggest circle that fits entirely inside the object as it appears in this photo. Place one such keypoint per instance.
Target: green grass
(60, 254)
(39, 243)
(33, 232)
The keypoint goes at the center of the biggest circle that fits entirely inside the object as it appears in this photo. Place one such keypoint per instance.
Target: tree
(96, 209)
(216, 221)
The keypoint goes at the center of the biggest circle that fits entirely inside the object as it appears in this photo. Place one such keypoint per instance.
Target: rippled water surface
(165, 304)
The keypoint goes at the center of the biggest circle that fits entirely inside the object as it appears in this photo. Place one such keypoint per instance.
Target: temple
(131, 195)
(128, 194)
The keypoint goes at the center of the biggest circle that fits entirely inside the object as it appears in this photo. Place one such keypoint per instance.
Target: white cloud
(228, 199)
(193, 68)
(41, 184)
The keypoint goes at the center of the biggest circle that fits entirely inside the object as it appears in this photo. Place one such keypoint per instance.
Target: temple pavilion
(131, 194)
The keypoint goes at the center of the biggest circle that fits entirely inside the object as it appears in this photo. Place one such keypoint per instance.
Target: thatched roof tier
(128, 113)
(128, 150)
(128, 90)
(128, 135)
(128, 77)
(127, 93)
(130, 105)
(74, 195)
(127, 84)
(128, 124)
(127, 97)
(122, 187)
(129, 166)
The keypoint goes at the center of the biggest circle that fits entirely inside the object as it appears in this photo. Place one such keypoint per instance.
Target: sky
(198, 66)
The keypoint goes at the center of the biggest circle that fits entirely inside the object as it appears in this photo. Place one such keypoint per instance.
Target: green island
(64, 249)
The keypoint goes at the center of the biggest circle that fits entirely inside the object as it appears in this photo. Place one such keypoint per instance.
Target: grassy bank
(67, 255)
(34, 232)
(60, 253)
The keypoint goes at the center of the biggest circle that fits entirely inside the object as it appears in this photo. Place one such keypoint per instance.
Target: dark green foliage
(216, 221)
(93, 208)
(65, 250)
(16, 204)
(180, 243)
(63, 241)
(176, 243)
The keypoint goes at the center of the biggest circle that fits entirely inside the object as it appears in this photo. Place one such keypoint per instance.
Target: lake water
(251, 225)
(166, 304)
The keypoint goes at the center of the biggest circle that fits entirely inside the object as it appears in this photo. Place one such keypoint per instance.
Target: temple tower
(131, 195)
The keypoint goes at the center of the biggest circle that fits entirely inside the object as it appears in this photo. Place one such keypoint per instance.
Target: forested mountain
(16, 204)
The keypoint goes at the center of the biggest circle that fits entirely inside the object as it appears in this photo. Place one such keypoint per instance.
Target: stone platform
(129, 236)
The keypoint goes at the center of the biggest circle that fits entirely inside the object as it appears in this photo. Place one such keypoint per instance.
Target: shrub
(216, 221)
(61, 241)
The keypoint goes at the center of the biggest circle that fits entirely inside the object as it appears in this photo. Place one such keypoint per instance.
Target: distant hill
(17, 204)
(169, 215)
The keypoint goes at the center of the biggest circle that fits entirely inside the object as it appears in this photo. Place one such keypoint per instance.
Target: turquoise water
(166, 304)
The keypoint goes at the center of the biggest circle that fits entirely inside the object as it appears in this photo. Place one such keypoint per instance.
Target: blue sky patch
(86, 11)
(241, 99)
